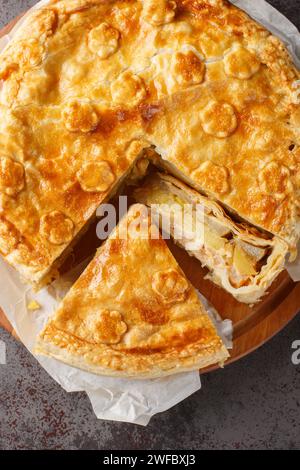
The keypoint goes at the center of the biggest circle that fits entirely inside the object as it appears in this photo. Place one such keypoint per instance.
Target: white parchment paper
(119, 399)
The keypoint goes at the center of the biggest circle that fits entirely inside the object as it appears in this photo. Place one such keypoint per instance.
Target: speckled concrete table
(254, 403)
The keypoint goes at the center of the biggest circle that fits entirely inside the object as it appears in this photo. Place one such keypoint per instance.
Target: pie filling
(239, 258)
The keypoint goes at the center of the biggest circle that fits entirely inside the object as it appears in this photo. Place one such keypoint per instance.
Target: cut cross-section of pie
(240, 258)
(132, 312)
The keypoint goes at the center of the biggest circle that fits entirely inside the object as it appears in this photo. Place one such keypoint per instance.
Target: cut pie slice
(240, 258)
(133, 313)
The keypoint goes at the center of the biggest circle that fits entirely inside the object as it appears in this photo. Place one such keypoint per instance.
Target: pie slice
(240, 258)
(133, 313)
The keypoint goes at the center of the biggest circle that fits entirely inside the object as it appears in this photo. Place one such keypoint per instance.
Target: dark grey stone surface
(254, 403)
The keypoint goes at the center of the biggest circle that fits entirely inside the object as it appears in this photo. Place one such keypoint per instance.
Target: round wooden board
(252, 326)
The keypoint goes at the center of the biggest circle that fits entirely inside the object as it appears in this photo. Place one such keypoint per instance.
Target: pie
(133, 313)
(241, 259)
(88, 85)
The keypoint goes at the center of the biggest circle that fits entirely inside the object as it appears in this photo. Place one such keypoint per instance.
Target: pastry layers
(241, 259)
(132, 313)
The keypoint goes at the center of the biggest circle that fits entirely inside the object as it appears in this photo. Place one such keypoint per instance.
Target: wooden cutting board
(252, 326)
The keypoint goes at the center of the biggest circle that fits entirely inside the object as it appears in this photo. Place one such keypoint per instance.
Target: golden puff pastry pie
(241, 259)
(88, 84)
(133, 313)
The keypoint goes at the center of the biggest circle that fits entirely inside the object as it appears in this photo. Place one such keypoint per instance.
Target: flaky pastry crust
(133, 313)
(87, 84)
